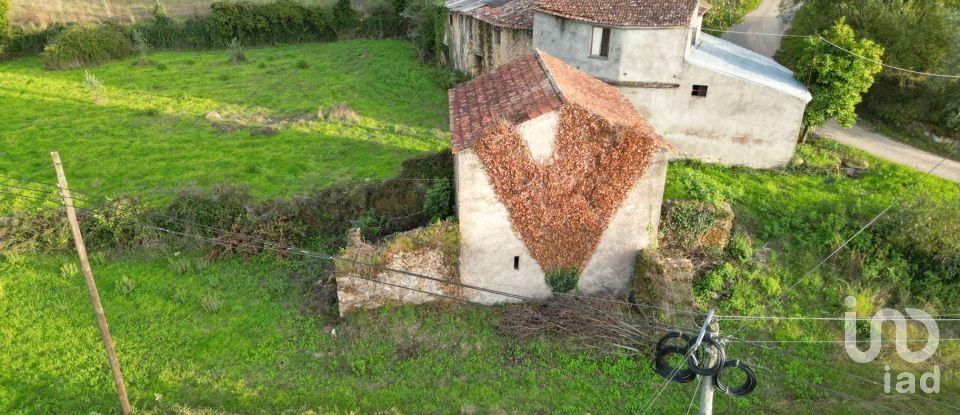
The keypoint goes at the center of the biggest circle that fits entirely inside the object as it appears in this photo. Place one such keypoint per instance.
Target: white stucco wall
(738, 123)
(488, 243)
(636, 54)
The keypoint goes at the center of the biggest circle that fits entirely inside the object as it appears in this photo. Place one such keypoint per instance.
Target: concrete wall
(488, 243)
(636, 54)
(468, 37)
(738, 123)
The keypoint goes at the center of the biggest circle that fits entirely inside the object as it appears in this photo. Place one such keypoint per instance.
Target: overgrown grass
(242, 337)
(263, 352)
(146, 133)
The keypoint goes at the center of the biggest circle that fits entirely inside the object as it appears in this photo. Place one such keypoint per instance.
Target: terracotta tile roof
(526, 88)
(515, 14)
(639, 13)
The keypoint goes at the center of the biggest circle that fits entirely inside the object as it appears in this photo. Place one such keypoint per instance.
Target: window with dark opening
(600, 46)
(496, 37)
(450, 19)
(699, 90)
(478, 60)
(516, 262)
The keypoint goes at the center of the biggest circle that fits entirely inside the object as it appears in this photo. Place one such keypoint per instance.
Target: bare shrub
(94, 86)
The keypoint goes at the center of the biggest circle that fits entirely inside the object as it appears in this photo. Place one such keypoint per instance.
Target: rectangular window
(450, 19)
(478, 60)
(516, 262)
(496, 37)
(699, 91)
(600, 45)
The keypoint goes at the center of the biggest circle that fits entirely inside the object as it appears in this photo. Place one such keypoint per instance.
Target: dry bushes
(561, 208)
(340, 113)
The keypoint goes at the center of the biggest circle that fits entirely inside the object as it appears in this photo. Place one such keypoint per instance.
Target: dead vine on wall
(561, 208)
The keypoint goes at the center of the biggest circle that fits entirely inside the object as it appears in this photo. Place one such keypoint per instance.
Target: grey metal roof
(725, 57)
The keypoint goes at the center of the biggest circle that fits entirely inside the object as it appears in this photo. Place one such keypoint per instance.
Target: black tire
(748, 386)
(663, 368)
(693, 363)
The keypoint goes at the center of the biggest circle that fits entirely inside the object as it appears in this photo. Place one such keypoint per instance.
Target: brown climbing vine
(560, 208)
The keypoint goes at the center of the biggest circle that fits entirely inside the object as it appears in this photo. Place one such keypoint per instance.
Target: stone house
(712, 100)
(553, 169)
(481, 35)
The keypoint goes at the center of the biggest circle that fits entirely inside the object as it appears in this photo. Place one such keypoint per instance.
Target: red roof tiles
(516, 14)
(526, 88)
(638, 13)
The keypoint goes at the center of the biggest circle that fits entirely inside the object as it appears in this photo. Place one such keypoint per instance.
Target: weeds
(69, 270)
(94, 87)
(211, 302)
(125, 286)
(236, 51)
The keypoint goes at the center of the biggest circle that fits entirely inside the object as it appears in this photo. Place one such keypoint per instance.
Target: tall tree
(837, 78)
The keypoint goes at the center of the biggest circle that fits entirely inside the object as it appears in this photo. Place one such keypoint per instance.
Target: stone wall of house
(364, 279)
(474, 47)
(739, 122)
(493, 256)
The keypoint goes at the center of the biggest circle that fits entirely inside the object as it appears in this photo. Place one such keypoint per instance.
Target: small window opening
(699, 91)
(496, 37)
(478, 60)
(450, 19)
(516, 262)
(600, 46)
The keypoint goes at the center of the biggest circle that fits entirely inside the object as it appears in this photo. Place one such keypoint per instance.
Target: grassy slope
(32, 13)
(260, 354)
(263, 351)
(149, 137)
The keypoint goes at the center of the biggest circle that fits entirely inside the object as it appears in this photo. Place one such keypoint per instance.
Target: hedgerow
(81, 46)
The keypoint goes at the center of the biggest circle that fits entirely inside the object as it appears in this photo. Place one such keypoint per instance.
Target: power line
(888, 66)
(834, 369)
(844, 244)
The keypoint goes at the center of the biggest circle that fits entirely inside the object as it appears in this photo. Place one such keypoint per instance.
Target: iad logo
(906, 381)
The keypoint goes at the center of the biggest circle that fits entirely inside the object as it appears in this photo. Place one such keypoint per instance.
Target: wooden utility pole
(91, 284)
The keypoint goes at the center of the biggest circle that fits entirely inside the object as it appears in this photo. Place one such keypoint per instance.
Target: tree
(837, 78)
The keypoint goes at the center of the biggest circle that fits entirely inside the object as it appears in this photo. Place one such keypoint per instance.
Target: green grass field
(233, 336)
(148, 135)
(199, 337)
(32, 13)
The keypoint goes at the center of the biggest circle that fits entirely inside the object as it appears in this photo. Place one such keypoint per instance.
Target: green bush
(344, 17)
(116, 223)
(438, 202)
(705, 188)
(710, 286)
(371, 225)
(4, 10)
(81, 46)
(564, 279)
(740, 248)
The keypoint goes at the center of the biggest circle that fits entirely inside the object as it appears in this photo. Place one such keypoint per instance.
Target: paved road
(894, 151)
(766, 19)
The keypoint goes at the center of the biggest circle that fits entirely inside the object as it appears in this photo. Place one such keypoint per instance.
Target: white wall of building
(738, 123)
(636, 54)
(488, 243)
